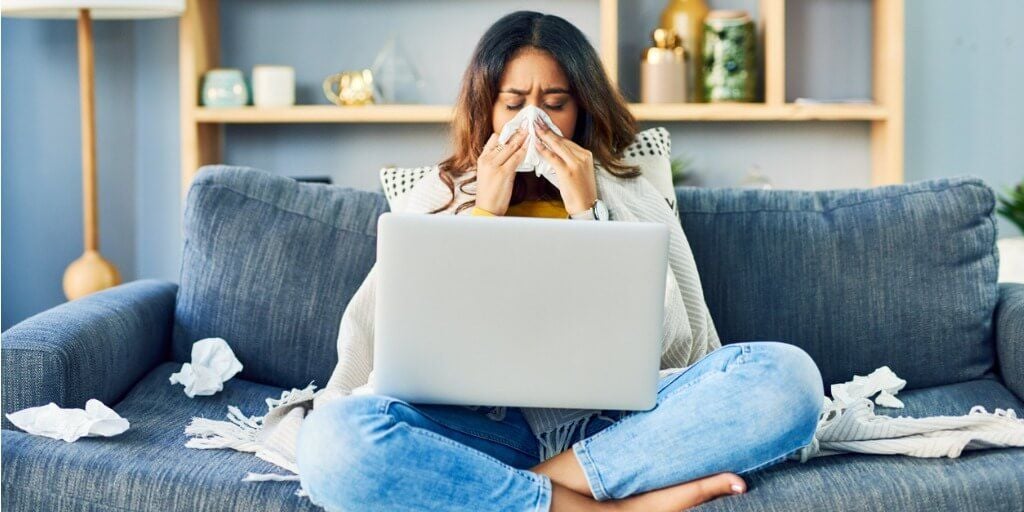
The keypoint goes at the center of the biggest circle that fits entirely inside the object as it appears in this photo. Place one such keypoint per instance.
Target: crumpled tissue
(882, 381)
(213, 364)
(70, 424)
(533, 161)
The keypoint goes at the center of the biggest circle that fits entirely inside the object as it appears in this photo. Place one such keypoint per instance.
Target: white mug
(273, 86)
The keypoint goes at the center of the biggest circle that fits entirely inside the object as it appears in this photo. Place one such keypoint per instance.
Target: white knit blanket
(689, 335)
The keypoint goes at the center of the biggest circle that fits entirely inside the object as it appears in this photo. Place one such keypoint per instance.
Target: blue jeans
(742, 407)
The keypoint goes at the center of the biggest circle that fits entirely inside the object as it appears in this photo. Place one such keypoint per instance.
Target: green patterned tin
(730, 67)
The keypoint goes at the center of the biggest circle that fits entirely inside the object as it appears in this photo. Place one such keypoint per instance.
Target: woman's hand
(496, 172)
(574, 166)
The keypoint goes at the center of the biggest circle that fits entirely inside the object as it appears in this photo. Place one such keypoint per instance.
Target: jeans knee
(335, 446)
(793, 382)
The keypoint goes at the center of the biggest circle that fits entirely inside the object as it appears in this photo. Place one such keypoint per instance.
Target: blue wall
(963, 116)
(964, 100)
(41, 158)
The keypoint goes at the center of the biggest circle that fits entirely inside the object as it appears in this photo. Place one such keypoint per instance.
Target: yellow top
(550, 208)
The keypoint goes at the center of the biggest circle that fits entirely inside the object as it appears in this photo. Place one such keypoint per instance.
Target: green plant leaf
(1011, 206)
(681, 165)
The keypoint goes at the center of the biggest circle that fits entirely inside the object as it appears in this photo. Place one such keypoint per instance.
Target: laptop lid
(519, 311)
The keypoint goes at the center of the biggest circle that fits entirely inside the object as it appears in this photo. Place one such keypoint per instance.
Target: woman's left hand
(574, 166)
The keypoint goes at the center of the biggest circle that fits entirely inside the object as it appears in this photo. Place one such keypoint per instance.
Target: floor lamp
(91, 272)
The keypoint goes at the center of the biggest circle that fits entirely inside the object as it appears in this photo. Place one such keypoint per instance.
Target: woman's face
(533, 77)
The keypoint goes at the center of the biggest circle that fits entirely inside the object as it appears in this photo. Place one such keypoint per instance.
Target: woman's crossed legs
(743, 407)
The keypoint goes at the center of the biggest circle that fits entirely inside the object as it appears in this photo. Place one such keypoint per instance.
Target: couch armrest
(1010, 336)
(97, 346)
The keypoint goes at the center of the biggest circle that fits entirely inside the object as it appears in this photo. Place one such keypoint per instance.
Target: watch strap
(587, 214)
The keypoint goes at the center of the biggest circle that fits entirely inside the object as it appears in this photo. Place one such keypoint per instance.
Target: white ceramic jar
(273, 86)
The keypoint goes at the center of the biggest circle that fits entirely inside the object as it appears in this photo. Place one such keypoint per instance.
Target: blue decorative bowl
(224, 87)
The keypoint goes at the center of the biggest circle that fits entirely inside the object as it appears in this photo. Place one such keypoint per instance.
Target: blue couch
(900, 275)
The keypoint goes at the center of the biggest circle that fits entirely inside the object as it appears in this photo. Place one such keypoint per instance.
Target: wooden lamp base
(90, 273)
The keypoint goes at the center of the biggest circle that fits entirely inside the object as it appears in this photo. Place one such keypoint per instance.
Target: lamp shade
(98, 9)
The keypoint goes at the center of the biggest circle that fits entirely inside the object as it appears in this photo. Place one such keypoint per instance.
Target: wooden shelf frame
(202, 136)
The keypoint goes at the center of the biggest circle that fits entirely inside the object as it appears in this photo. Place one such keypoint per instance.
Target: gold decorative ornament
(350, 88)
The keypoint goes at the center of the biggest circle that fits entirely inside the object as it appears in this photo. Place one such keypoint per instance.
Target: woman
(729, 411)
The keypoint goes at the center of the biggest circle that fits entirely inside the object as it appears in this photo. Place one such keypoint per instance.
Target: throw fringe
(1002, 413)
(292, 396)
(560, 439)
(274, 477)
(497, 413)
(269, 477)
(240, 431)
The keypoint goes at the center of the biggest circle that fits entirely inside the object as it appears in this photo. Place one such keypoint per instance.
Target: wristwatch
(597, 211)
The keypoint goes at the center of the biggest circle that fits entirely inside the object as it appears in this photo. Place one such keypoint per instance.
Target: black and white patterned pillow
(396, 181)
(652, 142)
(651, 150)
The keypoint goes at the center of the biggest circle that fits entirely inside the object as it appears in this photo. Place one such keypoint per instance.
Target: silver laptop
(519, 311)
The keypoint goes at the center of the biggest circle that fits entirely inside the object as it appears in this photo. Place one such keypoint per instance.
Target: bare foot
(685, 495)
(669, 499)
(567, 475)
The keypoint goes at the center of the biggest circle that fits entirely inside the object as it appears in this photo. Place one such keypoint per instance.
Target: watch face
(600, 210)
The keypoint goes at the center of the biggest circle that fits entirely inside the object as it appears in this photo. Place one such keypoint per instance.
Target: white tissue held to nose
(213, 364)
(533, 161)
(96, 420)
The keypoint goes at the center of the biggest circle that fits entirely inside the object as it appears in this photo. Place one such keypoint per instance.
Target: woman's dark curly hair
(604, 125)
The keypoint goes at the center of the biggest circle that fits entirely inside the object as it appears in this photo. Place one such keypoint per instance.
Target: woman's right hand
(496, 172)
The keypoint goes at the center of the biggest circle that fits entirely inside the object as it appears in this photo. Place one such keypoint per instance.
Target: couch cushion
(899, 275)
(269, 265)
(148, 467)
(982, 481)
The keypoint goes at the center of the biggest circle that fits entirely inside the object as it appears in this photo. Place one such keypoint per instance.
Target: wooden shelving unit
(443, 113)
(202, 127)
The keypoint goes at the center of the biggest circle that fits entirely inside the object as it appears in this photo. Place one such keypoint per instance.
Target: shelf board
(757, 112)
(442, 113)
(326, 114)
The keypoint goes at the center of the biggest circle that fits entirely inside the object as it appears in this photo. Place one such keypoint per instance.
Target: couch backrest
(900, 275)
(269, 265)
